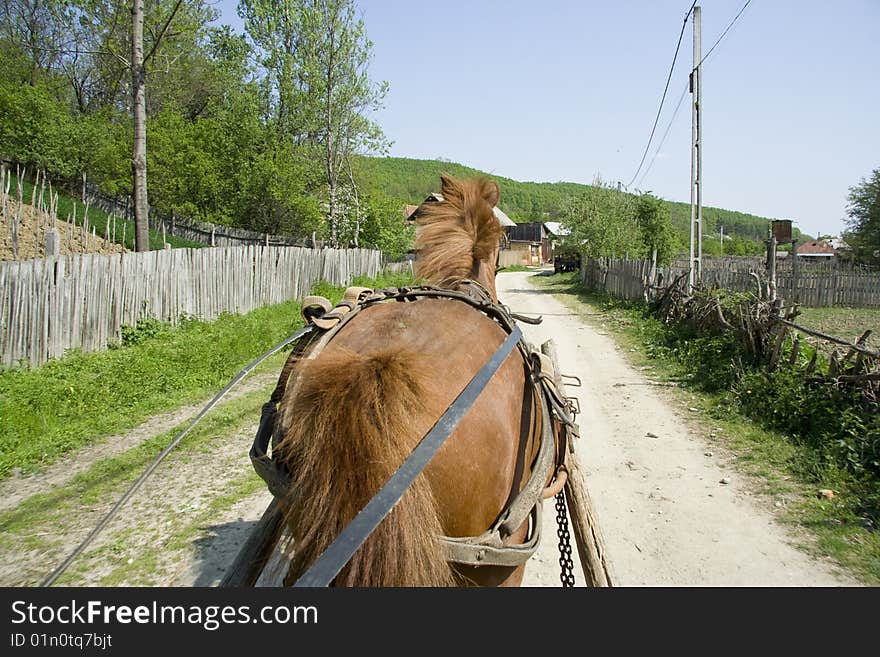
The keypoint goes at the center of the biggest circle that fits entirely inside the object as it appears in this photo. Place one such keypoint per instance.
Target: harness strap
(489, 548)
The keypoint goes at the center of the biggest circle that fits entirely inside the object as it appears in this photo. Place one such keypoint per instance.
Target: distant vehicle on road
(566, 262)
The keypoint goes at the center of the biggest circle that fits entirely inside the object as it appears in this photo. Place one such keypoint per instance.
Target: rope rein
(140, 480)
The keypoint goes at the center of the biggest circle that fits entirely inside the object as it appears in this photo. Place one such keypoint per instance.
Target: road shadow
(216, 550)
(534, 290)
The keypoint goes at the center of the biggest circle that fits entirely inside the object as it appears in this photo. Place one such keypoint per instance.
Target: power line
(668, 78)
(665, 134)
(677, 107)
(726, 30)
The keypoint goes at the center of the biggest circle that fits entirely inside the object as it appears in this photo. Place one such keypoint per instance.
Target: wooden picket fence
(809, 286)
(625, 279)
(81, 301)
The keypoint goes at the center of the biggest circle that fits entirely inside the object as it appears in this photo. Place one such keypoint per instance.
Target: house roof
(557, 228)
(819, 248)
(436, 197)
(503, 218)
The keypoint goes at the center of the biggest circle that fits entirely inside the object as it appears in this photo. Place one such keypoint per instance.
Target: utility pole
(722, 240)
(695, 273)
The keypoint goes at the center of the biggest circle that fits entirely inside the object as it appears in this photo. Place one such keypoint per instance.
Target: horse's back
(446, 342)
(454, 340)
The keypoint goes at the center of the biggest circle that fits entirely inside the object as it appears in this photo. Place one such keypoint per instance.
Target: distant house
(408, 212)
(557, 229)
(816, 250)
(529, 244)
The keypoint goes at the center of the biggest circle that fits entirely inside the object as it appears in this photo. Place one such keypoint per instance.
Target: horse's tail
(351, 424)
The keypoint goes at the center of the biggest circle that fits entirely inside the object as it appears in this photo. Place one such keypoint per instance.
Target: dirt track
(654, 475)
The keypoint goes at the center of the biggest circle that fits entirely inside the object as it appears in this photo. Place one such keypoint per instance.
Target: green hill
(410, 181)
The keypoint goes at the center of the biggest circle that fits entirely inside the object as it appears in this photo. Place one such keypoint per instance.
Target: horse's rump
(356, 411)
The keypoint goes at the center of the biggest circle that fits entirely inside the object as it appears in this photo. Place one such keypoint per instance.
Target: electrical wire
(726, 30)
(663, 98)
(683, 93)
(665, 134)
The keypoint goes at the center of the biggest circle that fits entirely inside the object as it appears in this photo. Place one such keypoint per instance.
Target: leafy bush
(831, 420)
(145, 328)
(835, 422)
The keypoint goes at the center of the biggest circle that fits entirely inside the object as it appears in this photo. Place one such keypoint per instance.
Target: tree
(316, 54)
(384, 226)
(653, 218)
(603, 220)
(36, 27)
(863, 219)
(139, 115)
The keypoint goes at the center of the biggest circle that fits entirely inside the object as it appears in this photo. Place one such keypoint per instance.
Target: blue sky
(569, 90)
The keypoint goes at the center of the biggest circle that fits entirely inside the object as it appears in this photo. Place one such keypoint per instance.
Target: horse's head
(459, 237)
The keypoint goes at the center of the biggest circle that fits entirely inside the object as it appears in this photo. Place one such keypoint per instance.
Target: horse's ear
(491, 193)
(449, 187)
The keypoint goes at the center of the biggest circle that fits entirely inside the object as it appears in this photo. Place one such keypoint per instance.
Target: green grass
(37, 522)
(98, 219)
(68, 403)
(56, 408)
(782, 468)
(517, 268)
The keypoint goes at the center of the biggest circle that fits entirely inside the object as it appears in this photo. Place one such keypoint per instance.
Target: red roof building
(816, 249)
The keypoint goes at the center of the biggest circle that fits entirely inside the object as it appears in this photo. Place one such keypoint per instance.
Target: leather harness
(492, 547)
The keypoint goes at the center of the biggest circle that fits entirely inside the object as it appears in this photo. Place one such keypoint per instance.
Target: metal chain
(565, 562)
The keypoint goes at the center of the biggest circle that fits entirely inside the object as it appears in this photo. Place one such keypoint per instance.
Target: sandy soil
(32, 234)
(654, 474)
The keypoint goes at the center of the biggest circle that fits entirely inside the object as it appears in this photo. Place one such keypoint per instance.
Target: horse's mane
(457, 232)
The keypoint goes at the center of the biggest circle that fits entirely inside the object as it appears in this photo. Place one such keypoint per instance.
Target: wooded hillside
(410, 180)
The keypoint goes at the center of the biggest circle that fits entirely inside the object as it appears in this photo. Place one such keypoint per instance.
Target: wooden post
(254, 554)
(696, 235)
(771, 266)
(795, 271)
(590, 544)
(53, 243)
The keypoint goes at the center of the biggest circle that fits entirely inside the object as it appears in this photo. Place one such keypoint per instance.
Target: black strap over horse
(490, 548)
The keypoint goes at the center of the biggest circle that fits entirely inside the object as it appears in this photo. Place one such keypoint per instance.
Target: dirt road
(654, 478)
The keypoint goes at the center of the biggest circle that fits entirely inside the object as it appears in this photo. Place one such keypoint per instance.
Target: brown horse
(355, 411)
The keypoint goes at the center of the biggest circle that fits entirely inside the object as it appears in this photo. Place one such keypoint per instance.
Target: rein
(140, 480)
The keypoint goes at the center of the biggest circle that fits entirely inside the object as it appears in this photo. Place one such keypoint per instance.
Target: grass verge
(65, 404)
(157, 527)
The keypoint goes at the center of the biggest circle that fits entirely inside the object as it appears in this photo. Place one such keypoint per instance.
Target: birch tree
(316, 54)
